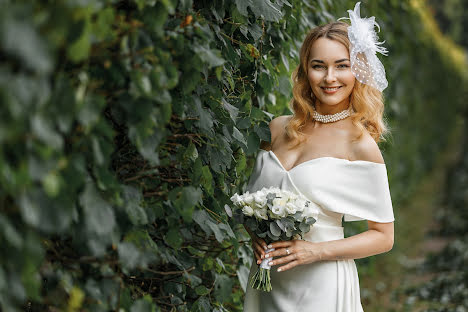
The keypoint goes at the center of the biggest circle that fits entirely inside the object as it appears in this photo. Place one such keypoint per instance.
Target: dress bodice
(356, 190)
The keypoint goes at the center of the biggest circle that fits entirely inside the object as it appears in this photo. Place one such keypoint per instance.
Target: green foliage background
(125, 126)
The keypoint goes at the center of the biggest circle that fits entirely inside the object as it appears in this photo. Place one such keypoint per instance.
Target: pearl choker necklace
(335, 117)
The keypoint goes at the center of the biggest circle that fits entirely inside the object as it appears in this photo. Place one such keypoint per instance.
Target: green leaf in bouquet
(281, 225)
(310, 220)
(275, 229)
(292, 221)
(272, 236)
(288, 223)
(228, 210)
(251, 223)
(298, 216)
(238, 217)
(304, 227)
(262, 235)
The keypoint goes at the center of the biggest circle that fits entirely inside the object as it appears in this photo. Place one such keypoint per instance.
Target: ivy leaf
(202, 290)
(238, 136)
(202, 304)
(232, 110)
(98, 214)
(205, 121)
(263, 8)
(43, 128)
(143, 305)
(173, 238)
(187, 198)
(241, 163)
(243, 276)
(21, 38)
(216, 230)
(201, 217)
(255, 31)
(79, 49)
(263, 132)
(129, 255)
(211, 57)
(223, 287)
(134, 210)
(253, 143)
(40, 211)
(207, 180)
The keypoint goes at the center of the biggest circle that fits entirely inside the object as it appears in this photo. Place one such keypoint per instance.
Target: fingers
(257, 257)
(262, 243)
(258, 250)
(283, 260)
(288, 266)
(280, 244)
(279, 252)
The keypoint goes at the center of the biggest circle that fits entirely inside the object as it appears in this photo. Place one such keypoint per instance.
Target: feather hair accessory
(365, 65)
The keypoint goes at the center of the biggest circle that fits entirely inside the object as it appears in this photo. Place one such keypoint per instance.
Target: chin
(331, 102)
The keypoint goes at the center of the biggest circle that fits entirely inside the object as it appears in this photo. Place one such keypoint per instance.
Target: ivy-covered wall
(125, 126)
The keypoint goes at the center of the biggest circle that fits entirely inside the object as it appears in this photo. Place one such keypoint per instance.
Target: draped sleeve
(358, 189)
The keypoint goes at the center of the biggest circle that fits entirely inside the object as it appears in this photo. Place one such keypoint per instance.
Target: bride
(328, 151)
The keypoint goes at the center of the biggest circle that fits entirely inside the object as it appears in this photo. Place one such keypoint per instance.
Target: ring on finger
(287, 251)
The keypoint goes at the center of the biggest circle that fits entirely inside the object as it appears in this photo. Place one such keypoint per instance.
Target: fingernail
(258, 261)
(271, 263)
(270, 246)
(261, 256)
(267, 256)
(279, 270)
(265, 247)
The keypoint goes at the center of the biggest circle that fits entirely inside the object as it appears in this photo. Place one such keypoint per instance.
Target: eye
(343, 66)
(317, 66)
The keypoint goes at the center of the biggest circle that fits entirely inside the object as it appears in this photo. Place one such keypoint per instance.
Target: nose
(330, 77)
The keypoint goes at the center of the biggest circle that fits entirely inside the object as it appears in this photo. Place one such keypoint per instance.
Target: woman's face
(330, 75)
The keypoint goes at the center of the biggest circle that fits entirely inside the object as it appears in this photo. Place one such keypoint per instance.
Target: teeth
(331, 89)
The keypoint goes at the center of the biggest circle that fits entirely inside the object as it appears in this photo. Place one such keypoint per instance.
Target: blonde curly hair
(366, 101)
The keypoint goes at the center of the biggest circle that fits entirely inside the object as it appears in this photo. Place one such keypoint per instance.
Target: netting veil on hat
(365, 65)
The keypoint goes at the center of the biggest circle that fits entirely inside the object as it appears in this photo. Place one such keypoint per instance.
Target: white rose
(274, 190)
(300, 204)
(261, 214)
(312, 210)
(248, 211)
(249, 199)
(236, 199)
(280, 201)
(291, 208)
(279, 211)
(260, 199)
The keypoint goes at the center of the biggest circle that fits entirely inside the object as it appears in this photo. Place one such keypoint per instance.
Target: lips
(331, 90)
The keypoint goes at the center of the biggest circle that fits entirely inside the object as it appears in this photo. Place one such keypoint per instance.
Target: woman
(328, 151)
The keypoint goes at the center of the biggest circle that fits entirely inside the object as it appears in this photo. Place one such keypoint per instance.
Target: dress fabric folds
(343, 189)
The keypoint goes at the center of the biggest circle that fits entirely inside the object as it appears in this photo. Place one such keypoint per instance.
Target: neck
(331, 109)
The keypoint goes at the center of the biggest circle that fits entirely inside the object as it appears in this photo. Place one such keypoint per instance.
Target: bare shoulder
(276, 125)
(367, 149)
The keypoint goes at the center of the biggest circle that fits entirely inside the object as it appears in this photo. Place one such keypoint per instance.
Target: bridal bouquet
(273, 214)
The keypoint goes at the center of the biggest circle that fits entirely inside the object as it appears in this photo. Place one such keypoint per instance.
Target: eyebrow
(338, 61)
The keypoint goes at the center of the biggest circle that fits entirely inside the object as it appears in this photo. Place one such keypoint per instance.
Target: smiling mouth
(331, 89)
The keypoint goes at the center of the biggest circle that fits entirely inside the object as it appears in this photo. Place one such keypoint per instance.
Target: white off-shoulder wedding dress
(356, 190)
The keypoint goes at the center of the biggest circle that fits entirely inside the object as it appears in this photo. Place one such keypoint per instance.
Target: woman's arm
(377, 239)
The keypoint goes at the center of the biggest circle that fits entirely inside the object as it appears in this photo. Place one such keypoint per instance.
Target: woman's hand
(293, 253)
(258, 245)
